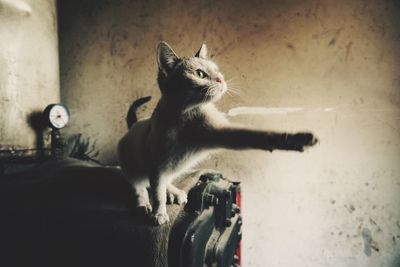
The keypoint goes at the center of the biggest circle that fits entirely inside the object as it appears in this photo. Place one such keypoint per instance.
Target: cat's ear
(202, 53)
(166, 57)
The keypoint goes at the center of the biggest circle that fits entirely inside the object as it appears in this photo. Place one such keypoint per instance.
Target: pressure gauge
(56, 116)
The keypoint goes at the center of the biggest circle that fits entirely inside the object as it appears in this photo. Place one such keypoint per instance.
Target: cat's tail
(131, 118)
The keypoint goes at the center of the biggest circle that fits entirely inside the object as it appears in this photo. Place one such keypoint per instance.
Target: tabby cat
(184, 128)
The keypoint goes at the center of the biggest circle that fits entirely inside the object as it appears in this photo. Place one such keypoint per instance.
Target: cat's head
(191, 81)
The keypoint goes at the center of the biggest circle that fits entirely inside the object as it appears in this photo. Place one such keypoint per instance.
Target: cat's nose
(219, 79)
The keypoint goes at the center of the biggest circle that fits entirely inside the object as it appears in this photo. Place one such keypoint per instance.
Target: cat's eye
(201, 74)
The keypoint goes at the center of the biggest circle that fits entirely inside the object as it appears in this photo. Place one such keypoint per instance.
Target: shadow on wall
(37, 123)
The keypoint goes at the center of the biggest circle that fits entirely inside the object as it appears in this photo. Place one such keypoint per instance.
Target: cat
(184, 128)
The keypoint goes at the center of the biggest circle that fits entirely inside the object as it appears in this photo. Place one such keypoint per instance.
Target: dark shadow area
(71, 213)
(38, 124)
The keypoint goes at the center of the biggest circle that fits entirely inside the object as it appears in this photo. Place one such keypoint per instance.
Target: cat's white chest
(185, 162)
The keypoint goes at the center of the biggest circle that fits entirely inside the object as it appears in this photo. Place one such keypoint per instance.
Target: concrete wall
(29, 67)
(327, 66)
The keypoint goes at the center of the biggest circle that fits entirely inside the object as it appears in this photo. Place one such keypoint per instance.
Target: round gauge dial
(57, 116)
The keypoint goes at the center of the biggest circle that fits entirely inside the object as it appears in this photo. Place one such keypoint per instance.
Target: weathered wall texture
(29, 67)
(328, 66)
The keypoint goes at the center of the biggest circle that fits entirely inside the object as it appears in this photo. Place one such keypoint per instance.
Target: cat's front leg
(142, 198)
(158, 188)
(242, 138)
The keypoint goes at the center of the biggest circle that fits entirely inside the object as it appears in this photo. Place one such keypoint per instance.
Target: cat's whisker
(231, 79)
(233, 89)
(229, 93)
(236, 91)
(232, 93)
(230, 82)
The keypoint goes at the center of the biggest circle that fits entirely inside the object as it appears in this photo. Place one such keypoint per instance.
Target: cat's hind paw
(160, 218)
(170, 198)
(181, 198)
(177, 196)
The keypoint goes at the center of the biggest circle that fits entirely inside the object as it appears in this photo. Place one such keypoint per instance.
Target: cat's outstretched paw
(160, 218)
(178, 197)
(300, 141)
